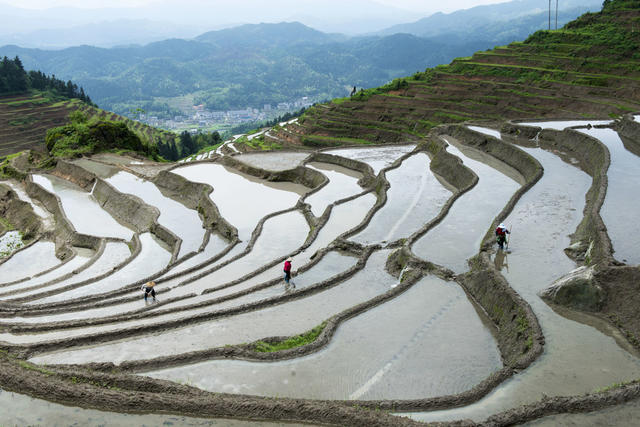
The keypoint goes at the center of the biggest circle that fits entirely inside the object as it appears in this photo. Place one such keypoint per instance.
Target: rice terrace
(140, 291)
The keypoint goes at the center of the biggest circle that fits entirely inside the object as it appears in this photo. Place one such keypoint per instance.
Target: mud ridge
(569, 404)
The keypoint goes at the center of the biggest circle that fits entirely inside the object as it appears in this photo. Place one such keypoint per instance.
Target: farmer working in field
(148, 289)
(287, 270)
(501, 235)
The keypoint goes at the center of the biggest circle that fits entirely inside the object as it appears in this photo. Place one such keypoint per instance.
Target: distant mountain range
(520, 17)
(257, 64)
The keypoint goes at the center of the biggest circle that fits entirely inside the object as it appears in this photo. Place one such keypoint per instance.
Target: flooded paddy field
(273, 161)
(415, 197)
(29, 262)
(183, 222)
(458, 237)
(578, 358)
(378, 158)
(624, 176)
(392, 323)
(389, 370)
(241, 198)
(343, 183)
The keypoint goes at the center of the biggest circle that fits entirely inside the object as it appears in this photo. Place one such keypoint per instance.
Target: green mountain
(250, 65)
(590, 68)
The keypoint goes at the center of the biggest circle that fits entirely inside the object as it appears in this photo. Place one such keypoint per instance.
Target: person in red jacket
(287, 270)
(501, 235)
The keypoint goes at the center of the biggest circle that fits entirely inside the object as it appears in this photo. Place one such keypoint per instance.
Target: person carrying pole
(501, 235)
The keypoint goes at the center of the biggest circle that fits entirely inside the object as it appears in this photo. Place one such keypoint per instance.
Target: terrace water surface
(182, 221)
(376, 157)
(82, 210)
(459, 235)
(577, 358)
(342, 183)
(431, 328)
(561, 125)
(28, 262)
(82, 256)
(278, 161)
(621, 208)
(344, 216)
(215, 245)
(415, 197)
(114, 254)
(152, 258)
(242, 199)
(27, 411)
(287, 319)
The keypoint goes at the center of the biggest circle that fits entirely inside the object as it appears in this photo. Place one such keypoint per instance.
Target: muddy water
(459, 235)
(243, 200)
(343, 183)
(184, 222)
(81, 258)
(114, 254)
(215, 245)
(431, 312)
(152, 258)
(28, 262)
(621, 415)
(333, 263)
(280, 236)
(287, 319)
(621, 209)
(343, 218)
(36, 412)
(376, 157)
(82, 210)
(415, 197)
(577, 358)
(263, 250)
(273, 161)
(561, 125)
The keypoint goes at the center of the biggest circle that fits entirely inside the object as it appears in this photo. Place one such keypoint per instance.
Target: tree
(187, 143)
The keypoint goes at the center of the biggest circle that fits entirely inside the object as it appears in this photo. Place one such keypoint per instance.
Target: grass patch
(612, 386)
(26, 365)
(293, 342)
(23, 121)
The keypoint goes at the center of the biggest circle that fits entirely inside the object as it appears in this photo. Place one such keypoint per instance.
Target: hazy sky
(423, 6)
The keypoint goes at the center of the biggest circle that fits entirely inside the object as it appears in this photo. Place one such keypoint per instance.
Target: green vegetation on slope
(293, 342)
(588, 69)
(83, 136)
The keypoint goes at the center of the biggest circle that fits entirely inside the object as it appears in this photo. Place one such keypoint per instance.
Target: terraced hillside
(589, 69)
(384, 318)
(25, 119)
(402, 310)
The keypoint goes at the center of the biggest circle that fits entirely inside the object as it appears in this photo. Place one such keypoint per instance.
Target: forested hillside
(14, 80)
